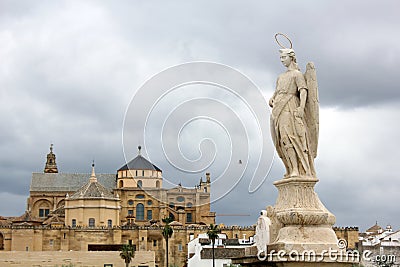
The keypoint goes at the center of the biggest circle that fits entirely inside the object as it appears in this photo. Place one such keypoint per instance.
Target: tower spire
(51, 165)
(93, 176)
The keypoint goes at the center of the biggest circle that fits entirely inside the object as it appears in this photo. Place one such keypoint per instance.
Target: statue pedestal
(301, 231)
(307, 224)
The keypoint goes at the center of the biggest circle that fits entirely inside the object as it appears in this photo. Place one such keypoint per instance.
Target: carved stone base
(305, 222)
(309, 238)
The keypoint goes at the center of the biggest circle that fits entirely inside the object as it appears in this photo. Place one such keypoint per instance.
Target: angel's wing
(312, 107)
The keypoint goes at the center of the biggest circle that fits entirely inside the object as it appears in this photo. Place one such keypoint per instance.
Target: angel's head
(288, 58)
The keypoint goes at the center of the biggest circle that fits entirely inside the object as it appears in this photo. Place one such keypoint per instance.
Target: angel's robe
(288, 130)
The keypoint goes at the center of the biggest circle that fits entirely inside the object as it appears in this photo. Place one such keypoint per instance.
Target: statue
(295, 116)
(262, 236)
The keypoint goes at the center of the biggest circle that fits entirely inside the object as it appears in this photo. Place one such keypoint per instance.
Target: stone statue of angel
(295, 116)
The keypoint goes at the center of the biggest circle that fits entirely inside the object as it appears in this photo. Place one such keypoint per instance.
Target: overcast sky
(69, 70)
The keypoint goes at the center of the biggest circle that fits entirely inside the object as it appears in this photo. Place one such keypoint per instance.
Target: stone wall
(37, 238)
(72, 259)
(350, 234)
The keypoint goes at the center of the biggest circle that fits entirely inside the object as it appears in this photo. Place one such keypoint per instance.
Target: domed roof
(374, 229)
(92, 189)
(139, 163)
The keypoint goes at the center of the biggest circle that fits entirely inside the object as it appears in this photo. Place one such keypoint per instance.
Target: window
(189, 205)
(130, 212)
(149, 215)
(140, 196)
(171, 216)
(91, 222)
(43, 212)
(51, 242)
(139, 183)
(73, 222)
(158, 184)
(142, 173)
(189, 217)
(121, 184)
(149, 202)
(154, 243)
(180, 247)
(171, 205)
(109, 223)
(180, 199)
(130, 202)
(205, 189)
(140, 212)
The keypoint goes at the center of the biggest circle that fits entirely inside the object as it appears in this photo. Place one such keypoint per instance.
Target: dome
(139, 163)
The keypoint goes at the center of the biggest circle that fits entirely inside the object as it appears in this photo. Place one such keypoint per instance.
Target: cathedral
(132, 196)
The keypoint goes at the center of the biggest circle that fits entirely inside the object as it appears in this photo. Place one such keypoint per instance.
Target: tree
(167, 233)
(127, 253)
(212, 233)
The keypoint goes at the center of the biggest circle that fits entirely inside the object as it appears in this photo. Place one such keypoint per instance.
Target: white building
(376, 235)
(382, 246)
(200, 250)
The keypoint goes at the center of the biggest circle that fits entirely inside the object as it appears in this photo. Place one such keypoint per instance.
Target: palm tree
(167, 233)
(212, 233)
(127, 253)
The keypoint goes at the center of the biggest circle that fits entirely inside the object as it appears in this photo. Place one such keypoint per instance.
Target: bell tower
(51, 165)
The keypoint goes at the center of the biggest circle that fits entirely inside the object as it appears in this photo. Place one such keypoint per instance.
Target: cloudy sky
(69, 71)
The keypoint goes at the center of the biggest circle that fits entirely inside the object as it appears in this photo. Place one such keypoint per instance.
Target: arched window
(121, 184)
(139, 183)
(189, 205)
(171, 216)
(73, 222)
(109, 223)
(140, 212)
(91, 222)
(43, 207)
(158, 184)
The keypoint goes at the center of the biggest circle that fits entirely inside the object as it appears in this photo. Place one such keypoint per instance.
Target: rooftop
(140, 163)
